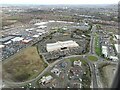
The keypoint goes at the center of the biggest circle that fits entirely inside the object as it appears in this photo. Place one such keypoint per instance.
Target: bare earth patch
(107, 75)
(24, 66)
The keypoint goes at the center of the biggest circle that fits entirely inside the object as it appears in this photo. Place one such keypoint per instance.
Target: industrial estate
(62, 46)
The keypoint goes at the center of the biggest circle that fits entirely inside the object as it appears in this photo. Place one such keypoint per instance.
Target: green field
(92, 58)
(24, 66)
(97, 46)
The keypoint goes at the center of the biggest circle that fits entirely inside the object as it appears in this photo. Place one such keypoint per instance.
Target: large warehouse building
(61, 45)
(117, 47)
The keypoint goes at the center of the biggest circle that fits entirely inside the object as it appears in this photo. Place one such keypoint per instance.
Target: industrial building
(47, 79)
(6, 39)
(17, 39)
(117, 47)
(42, 27)
(61, 45)
(35, 36)
(41, 23)
(26, 41)
(117, 37)
(114, 58)
(2, 46)
(105, 51)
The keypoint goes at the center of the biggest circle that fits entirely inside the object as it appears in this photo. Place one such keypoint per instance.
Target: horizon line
(61, 4)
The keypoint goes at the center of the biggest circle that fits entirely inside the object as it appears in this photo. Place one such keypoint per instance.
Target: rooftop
(46, 79)
(61, 44)
(117, 36)
(6, 38)
(117, 46)
(77, 63)
(35, 36)
(105, 50)
(17, 39)
(41, 23)
(1, 46)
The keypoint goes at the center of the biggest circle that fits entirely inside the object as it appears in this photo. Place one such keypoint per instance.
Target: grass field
(92, 58)
(24, 66)
(77, 58)
(97, 47)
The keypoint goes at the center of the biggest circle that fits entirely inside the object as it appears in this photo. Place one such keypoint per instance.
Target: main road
(92, 41)
(92, 52)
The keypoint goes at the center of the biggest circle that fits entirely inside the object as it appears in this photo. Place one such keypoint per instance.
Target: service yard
(24, 66)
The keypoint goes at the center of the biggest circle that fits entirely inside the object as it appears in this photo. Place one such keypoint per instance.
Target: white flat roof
(77, 63)
(17, 39)
(42, 27)
(26, 41)
(105, 50)
(60, 44)
(51, 21)
(40, 30)
(47, 78)
(114, 57)
(29, 29)
(35, 36)
(117, 36)
(41, 23)
(8, 42)
(117, 47)
(1, 46)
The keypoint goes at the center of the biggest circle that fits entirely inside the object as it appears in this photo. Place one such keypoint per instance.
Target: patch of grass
(92, 58)
(77, 58)
(47, 74)
(97, 46)
(24, 66)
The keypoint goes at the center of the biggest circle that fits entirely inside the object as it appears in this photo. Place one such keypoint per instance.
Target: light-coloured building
(105, 51)
(17, 39)
(117, 47)
(114, 58)
(26, 41)
(46, 79)
(51, 21)
(7, 43)
(41, 23)
(61, 45)
(117, 37)
(35, 36)
(29, 29)
(2, 46)
(77, 63)
(56, 71)
(42, 27)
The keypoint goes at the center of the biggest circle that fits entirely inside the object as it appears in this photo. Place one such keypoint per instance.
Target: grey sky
(59, 1)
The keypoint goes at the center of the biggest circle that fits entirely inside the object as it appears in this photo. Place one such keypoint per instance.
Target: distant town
(59, 46)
